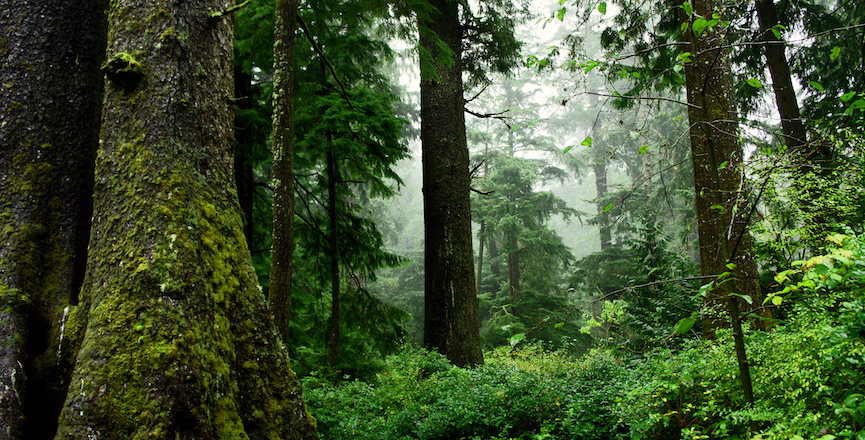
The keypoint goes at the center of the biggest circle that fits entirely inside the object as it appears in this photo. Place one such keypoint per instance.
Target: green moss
(124, 70)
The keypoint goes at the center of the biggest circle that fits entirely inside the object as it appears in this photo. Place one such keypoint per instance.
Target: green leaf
(644, 149)
(515, 339)
(748, 299)
(568, 148)
(684, 57)
(558, 325)
(561, 14)
(731, 266)
(684, 27)
(848, 96)
(817, 86)
(755, 83)
(602, 7)
(688, 8)
(834, 53)
(723, 165)
(587, 142)
(684, 325)
(777, 300)
(699, 26)
(608, 207)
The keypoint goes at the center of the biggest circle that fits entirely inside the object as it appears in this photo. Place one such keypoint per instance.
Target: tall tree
(451, 306)
(50, 56)
(175, 337)
(725, 243)
(279, 293)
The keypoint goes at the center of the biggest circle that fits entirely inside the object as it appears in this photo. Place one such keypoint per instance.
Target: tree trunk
(481, 239)
(600, 167)
(175, 337)
(495, 266)
(718, 176)
(244, 139)
(514, 270)
(451, 305)
(50, 56)
(785, 95)
(333, 251)
(279, 293)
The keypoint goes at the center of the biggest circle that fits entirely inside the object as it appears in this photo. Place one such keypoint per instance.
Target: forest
(432, 219)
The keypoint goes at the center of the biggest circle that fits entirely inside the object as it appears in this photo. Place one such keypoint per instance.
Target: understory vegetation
(808, 371)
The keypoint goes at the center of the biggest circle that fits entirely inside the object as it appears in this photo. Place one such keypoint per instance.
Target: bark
(50, 56)
(718, 176)
(451, 305)
(279, 294)
(792, 127)
(176, 340)
(600, 167)
(514, 269)
(495, 265)
(333, 256)
(481, 238)
(244, 138)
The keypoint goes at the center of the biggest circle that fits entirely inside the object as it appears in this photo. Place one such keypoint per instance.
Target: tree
(49, 128)
(725, 243)
(279, 294)
(175, 339)
(450, 306)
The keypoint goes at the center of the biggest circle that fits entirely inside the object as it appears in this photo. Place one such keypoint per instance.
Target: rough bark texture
(717, 159)
(451, 305)
(50, 56)
(175, 338)
(279, 294)
(718, 182)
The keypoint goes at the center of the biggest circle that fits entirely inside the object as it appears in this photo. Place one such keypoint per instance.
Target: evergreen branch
(645, 98)
(478, 94)
(498, 116)
(324, 58)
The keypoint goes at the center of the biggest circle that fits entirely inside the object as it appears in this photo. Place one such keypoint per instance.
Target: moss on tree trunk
(50, 55)
(175, 338)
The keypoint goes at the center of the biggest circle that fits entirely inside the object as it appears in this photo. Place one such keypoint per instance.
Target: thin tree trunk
(50, 56)
(514, 269)
(782, 84)
(718, 182)
(279, 294)
(495, 266)
(175, 337)
(244, 139)
(333, 256)
(481, 239)
(600, 168)
(451, 306)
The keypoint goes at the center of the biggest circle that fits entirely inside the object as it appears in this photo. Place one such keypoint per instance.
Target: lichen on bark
(177, 341)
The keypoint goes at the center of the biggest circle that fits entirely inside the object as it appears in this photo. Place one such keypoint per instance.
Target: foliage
(526, 393)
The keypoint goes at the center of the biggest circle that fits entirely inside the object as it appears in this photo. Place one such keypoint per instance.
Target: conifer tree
(174, 336)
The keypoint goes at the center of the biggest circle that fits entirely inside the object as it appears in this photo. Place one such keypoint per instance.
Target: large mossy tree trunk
(450, 300)
(279, 293)
(175, 338)
(50, 56)
(718, 164)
